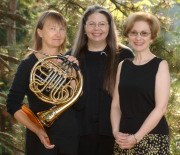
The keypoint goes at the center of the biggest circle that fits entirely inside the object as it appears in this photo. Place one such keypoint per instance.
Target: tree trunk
(11, 31)
(11, 34)
(11, 40)
(3, 120)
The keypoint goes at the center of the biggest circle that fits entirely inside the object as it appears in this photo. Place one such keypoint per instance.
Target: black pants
(64, 145)
(96, 145)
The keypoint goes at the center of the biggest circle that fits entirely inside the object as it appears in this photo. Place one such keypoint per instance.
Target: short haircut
(152, 21)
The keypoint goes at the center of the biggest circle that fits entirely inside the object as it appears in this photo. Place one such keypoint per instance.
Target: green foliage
(9, 142)
(173, 116)
(24, 32)
(165, 46)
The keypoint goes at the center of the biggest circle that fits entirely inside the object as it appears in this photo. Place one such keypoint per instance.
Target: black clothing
(65, 125)
(96, 145)
(93, 107)
(64, 145)
(137, 100)
(137, 96)
(94, 116)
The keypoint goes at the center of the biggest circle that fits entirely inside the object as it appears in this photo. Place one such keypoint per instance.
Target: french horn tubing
(59, 84)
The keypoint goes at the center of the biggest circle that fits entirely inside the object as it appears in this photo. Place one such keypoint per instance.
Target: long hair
(50, 14)
(80, 45)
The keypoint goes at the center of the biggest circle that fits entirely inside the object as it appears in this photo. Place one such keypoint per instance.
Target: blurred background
(17, 22)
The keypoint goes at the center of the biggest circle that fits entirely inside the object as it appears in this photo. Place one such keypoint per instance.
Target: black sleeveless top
(137, 96)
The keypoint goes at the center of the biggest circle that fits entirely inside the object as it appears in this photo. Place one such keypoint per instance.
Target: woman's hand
(128, 143)
(44, 139)
(23, 118)
(125, 141)
(72, 59)
(119, 137)
(75, 61)
(69, 58)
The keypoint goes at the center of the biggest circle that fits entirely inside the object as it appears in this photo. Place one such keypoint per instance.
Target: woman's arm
(116, 111)
(162, 89)
(21, 117)
(162, 92)
(16, 95)
(115, 107)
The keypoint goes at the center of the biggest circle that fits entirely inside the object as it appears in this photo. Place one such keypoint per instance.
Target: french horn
(59, 84)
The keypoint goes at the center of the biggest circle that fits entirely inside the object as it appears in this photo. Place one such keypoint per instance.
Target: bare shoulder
(163, 68)
(164, 62)
(163, 65)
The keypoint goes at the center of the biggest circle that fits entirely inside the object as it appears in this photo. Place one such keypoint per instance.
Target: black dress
(137, 100)
(63, 133)
(93, 113)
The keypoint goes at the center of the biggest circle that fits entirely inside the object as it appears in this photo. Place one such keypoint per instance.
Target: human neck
(44, 52)
(50, 51)
(96, 46)
(143, 57)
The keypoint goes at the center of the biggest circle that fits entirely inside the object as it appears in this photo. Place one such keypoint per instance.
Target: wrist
(115, 133)
(137, 140)
(36, 129)
(138, 136)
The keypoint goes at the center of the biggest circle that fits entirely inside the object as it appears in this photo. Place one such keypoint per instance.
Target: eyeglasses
(100, 25)
(142, 33)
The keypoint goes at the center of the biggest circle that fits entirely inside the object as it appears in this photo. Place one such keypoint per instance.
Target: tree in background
(23, 18)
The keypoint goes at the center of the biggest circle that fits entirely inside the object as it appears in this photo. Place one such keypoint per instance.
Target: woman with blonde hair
(49, 39)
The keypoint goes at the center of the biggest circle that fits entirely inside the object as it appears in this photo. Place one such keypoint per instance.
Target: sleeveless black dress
(137, 100)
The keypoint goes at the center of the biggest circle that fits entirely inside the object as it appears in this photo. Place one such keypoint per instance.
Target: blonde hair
(152, 21)
(50, 14)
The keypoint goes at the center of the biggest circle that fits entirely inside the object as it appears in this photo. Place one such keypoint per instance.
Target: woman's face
(139, 36)
(97, 28)
(53, 34)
